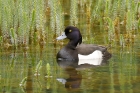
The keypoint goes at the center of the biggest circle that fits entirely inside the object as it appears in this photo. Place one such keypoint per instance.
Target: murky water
(120, 74)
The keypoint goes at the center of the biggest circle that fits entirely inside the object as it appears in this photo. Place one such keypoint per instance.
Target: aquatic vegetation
(38, 67)
(26, 22)
(122, 41)
(121, 14)
(23, 82)
(74, 12)
(48, 70)
(20, 19)
(114, 23)
(1, 40)
(56, 15)
(111, 29)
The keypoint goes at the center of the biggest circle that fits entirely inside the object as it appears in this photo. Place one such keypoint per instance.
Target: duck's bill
(63, 36)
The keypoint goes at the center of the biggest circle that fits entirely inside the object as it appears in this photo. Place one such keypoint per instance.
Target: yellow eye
(70, 30)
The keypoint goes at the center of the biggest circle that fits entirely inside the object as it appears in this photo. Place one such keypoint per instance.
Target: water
(120, 74)
(19, 70)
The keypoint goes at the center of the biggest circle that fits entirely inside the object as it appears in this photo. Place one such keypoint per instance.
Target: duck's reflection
(74, 80)
(72, 69)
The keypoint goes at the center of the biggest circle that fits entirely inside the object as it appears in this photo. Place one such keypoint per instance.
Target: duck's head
(73, 34)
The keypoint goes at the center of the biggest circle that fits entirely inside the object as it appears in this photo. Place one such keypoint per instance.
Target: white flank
(93, 59)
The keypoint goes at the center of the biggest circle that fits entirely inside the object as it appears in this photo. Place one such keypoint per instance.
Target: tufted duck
(75, 50)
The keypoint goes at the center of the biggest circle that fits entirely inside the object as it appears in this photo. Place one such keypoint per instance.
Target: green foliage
(48, 69)
(1, 40)
(13, 36)
(38, 67)
(122, 41)
(73, 12)
(18, 18)
(23, 20)
(116, 14)
(97, 13)
(23, 82)
(56, 15)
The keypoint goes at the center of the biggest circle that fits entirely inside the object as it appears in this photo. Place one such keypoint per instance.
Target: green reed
(122, 41)
(1, 40)
(48, 69)
(23, 82)
(13, 36)
(96, 13)
(25, 22)
(56, 15)
(121, 13)
(74, 12)
(111, 29)
(38, 67)
(20, 19)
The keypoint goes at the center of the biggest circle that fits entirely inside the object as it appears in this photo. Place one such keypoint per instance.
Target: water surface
(120, 74)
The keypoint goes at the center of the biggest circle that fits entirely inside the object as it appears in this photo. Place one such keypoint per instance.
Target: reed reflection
(29, 82)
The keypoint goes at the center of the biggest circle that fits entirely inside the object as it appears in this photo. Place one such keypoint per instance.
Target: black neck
(72, 44)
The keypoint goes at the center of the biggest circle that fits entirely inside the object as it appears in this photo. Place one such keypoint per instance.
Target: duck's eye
(70, 30)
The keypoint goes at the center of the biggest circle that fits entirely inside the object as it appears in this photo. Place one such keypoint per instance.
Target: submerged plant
(23, 82)
(1, 40)
(38, 67)
(48, 70)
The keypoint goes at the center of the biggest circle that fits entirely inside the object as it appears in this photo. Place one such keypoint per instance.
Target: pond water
(119, 74)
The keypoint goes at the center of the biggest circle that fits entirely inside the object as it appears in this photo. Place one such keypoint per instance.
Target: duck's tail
(106, 54)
